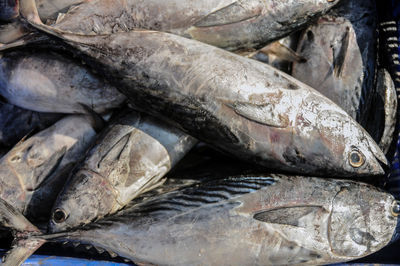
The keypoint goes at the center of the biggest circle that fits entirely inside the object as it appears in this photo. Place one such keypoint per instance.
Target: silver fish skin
(49, 9)
(239, 105)
(34, 171)
(251, 220)
(16, 123)
(9, 9)
(343, 47)
(49, 82)
(229, 24)
(132, 156)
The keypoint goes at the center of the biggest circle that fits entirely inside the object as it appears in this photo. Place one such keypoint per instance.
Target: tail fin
(25, 243)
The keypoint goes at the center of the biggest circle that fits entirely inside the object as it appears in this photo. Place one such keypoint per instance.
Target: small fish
(342, 47)
(16, 123)
(245, 220)
(33, 172)
(131, 156)
(239, 105)
(9, 9)
(50, 82)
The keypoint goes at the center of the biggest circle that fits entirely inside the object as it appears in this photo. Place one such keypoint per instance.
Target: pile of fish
(111, 111)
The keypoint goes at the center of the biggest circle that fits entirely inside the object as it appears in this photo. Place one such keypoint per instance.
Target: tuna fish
(16, 123)
(342, 46)
(132, 156)
(33, 172)
(229, 24)
(239, 105)
(247, 220)
(50, 82)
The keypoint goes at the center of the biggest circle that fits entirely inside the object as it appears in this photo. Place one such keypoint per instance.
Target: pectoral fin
(232, 13)
(265, 114)
(282, 52)
(295, 216)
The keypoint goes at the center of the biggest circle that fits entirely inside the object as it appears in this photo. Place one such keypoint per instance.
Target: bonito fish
(132, 156)
(50, 82)
(229, 24)
(248, 220)
(239, 105)
(342, 46)
(33, 172)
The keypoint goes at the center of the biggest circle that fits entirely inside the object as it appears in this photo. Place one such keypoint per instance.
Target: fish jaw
(330, 141)
(80, 206)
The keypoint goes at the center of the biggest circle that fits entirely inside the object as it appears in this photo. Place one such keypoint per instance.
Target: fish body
(33, 172)
(49, 9)
(16, 123)
(239, 105)
(131, 156)
(50, 82)
(247, 220)
(228, 24)
(343, 47)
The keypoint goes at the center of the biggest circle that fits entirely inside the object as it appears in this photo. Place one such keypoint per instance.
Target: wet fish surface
(16, 123)
(131, 156)
(241, 106)
(33, 172)
(51, 82)
(343, 47)
(247, 220)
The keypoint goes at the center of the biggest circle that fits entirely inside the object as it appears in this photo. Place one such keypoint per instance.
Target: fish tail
(26, 236)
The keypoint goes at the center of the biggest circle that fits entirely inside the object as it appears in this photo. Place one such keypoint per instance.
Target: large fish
(229, 24)
(131, 156)
(250, 220)
(239, 105)
(50, 82)
(16, 123)
(33, 172)
(342, 47)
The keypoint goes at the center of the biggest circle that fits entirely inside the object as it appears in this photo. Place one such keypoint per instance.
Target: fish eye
(356, 158)
(395, 208)
(59, 216)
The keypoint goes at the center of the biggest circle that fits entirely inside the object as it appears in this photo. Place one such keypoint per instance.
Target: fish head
(330, 142)
(362, 221)
(85, 197)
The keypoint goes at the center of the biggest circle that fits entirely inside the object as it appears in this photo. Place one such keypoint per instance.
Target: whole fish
(132, 155)
(33, 172)
(342, 46)
(50, 82)
(239, 105)
(248, 220)
(9, 9)
(16, 123)
(229, 24)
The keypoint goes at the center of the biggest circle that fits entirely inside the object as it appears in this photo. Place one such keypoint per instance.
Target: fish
(50, 82)
(9, 10)
(16, 123)
(51, 9)
(229, 24)
(238, 105)
(342, 46)
(243, 220)
(34, 171)
(130, 157)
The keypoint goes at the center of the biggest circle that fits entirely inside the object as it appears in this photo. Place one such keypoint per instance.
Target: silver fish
(239, 105)
(342, 46)
(251, 220)
(16, 123)
(132, 156)
(33, 172)
(49, 82)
